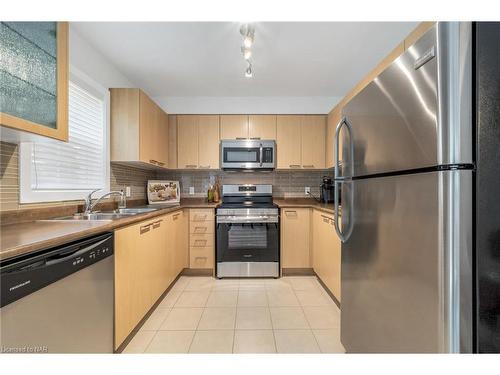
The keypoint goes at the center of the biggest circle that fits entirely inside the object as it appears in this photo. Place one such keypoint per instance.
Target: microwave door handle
(261, 156)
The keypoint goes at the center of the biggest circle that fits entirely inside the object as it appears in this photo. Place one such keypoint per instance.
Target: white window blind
(79, 164)
(54, 170)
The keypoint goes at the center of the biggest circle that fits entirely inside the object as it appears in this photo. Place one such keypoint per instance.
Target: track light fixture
(247, 31)
(249, 71)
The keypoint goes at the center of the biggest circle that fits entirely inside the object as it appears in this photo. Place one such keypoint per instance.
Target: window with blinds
(61, 171)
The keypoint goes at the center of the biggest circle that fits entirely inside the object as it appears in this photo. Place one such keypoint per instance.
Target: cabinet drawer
(201, 240)
(201, 215)
(201, 227)
(201, 257)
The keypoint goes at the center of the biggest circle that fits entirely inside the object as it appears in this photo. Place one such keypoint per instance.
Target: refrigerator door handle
(347, 209)
(343, 121)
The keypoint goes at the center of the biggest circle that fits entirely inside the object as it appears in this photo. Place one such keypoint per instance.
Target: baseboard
(332, 296)
(298, 272)
(197, 272)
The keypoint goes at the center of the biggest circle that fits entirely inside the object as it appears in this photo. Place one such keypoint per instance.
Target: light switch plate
(191, 190)
(128, 194)
(307, 190)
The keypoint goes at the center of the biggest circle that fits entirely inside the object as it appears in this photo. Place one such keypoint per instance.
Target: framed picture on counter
(164, 192)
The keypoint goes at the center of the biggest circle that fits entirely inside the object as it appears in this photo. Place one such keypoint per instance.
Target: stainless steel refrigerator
(408, 169)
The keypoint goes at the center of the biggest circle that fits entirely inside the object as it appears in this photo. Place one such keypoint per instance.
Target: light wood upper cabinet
(187, 141)
(208, 142)
(295, 238)
(172, 141)
(198, 141)
(139, 128)
(333, 119)
(262, 127)
(234, 126)
(288, 142)
(313, 131)
(326, 251)
(31, 103)
(300, 141)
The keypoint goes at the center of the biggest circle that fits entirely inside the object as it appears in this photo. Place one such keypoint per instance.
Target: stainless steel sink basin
(100, 216)
(135, 211)
(108, 216)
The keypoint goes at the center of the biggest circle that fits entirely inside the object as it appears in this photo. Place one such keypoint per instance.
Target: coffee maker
(326, 190)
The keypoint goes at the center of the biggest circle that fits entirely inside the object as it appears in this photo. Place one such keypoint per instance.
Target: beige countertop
(22, 238)
(305, 203)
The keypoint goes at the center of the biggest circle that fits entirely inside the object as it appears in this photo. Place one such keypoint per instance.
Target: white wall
(251, 105)
(87, 59)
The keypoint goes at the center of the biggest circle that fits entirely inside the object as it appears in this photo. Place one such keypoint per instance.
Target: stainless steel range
(248, 232)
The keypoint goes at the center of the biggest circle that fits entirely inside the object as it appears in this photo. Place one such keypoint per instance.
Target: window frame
(29, 195)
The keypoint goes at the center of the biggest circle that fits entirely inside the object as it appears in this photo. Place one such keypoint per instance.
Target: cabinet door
(180, 225)
(234, 126)
(313, 130)
(162, 142)
(295, 244)
(34, 82)
(159, 260)
(208, 142)
(333, 119)
(262, 127)
(132, 278)
(148, 119)
(172, 141)
(187, 141)
(288, 142)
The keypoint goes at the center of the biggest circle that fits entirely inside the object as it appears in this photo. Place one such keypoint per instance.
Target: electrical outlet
(307, 190)
(128, 194)
(191, 190)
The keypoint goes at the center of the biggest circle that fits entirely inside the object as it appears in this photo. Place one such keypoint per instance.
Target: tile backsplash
(285, 183)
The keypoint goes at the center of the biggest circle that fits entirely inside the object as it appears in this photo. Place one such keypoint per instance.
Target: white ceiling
(203, 59)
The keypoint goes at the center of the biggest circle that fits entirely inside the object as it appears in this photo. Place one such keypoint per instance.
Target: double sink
(108, 215)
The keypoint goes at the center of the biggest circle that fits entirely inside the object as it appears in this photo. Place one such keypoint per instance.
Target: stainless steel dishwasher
(60, 300)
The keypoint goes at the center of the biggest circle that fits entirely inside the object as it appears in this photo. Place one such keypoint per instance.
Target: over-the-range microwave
(248, 154)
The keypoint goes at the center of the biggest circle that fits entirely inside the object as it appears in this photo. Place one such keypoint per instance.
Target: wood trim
(332, 296)
(298, 272)
(420, 30)
(61, 130)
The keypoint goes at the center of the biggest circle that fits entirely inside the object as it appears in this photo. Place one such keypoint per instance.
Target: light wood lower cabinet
(326, 251)
(201, 238)
(148, 257)
(295, 238)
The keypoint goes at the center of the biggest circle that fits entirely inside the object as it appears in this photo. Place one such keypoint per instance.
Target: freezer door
(406, 266)
(416, 113)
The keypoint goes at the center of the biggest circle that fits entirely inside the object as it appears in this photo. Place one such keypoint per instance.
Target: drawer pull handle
(309, 166)
(200, 241)
(191, 166)
(200, 217)
(200, 229)
(294, 166)
(205, 166)
(157, 224)
(145, 228)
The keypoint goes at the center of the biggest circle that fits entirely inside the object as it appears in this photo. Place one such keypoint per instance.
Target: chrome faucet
(90, 204)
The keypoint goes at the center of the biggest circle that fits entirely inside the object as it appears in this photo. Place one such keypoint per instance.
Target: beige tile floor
(206, 315)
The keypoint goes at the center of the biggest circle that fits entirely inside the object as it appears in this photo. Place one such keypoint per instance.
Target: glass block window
(28, 71)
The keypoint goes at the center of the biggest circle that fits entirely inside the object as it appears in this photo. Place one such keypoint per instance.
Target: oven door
(248, 249)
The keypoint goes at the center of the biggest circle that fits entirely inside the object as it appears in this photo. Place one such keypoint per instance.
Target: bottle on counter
(210, 194)
(217, 191)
